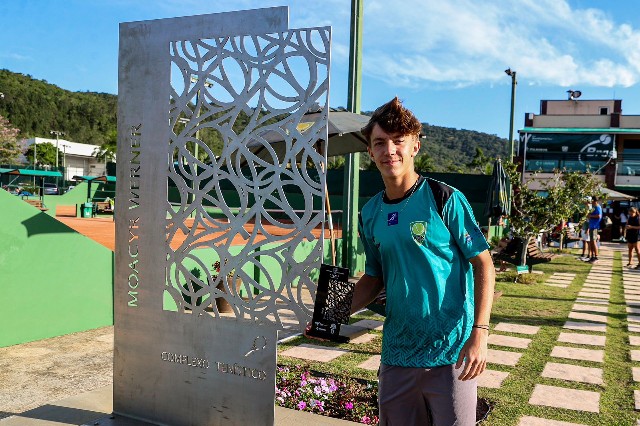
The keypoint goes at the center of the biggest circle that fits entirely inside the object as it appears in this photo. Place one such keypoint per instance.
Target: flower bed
(341, 397)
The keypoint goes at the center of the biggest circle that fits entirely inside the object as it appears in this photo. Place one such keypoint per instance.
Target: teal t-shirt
(422, 259)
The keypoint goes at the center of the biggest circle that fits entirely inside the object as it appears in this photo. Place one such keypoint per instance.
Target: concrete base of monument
(94, 409)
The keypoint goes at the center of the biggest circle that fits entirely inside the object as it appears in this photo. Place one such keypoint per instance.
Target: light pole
(512, 74)
(58, 133)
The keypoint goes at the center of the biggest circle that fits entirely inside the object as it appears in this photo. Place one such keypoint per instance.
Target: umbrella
(497, 203)
(344, 137)
(612, 195)
(343, 129)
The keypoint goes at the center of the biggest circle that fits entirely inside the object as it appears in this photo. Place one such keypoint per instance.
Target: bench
(511, 251)
(102, 207)
(569, 238)
(37, 204)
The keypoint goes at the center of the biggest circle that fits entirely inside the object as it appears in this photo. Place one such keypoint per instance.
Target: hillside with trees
(37, 107)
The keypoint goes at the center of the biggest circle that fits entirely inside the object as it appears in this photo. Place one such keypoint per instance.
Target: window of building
(604, 110)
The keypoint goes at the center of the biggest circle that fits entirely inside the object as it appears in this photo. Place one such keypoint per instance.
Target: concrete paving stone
(492, 379)
(633, 310)
(370, 324)
(602, 294)
(590, 308)
(495, 356)
(636, 374)
(564, 274)
(632, 298)
(558, 281)
(586, 326)
(588, 317)
(633, 328)
(632, 303)
(582, 339)
(509, 341)
(359, 339)
(635, 355)
(596, 286)
(594, 355)
(537, 421)
(517, 328)
(372, 363)
(592, 301)
(606, 282)
(630, 291)
(557, 285)
(572, 399)
(633, 318)
(593, 295)
(573, 373)
(596, 290)
(314, 353)
(636, 397)
(598, 279)
(634, 340)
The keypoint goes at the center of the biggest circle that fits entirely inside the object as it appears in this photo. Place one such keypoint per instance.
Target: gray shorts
(426, 396)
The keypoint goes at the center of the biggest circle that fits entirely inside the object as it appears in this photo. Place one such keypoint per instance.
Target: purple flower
(302, 405)
(317, 390)
(365, 419)
(348, 405)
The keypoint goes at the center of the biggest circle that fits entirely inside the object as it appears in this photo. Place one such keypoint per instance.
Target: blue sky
(444, 59)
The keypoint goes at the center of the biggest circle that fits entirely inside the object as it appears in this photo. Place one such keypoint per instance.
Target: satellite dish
(574, 94)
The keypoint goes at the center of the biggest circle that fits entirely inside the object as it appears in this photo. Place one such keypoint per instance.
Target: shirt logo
(419, 232)
(392, 218)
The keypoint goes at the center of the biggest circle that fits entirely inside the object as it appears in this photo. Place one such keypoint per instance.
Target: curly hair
(392, 117)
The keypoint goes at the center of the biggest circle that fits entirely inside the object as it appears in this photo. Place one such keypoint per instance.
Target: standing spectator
(623, 225)
(633, 225)
(586, 246)
(594, 226)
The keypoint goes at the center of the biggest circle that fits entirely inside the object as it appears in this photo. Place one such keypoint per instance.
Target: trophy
(333, 303)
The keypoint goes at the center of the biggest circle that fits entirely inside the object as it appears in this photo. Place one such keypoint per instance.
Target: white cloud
(418, 43)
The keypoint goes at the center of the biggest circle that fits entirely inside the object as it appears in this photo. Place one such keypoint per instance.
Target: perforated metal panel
(194, 93)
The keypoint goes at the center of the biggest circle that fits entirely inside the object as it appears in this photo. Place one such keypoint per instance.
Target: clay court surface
(102, 230)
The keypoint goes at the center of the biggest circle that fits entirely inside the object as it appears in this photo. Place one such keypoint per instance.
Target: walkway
(577, 359)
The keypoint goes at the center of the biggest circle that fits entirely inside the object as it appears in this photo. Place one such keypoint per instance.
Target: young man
(594, 226)
(431, 258)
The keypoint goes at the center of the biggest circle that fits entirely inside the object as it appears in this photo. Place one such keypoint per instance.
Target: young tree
(557, 199)
(10, 148)
(480, 163)
(45, 154)
(107, 151)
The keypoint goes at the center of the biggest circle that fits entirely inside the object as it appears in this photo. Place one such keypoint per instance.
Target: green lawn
(547, 307)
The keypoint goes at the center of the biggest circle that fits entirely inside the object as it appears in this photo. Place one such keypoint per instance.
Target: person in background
(633, 226)
(623, 225)
(586, 246)
(594, 226)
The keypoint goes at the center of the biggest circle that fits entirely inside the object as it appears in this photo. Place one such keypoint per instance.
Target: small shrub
(340, 397)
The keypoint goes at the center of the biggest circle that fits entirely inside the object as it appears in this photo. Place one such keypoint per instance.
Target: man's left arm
(475, 348)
